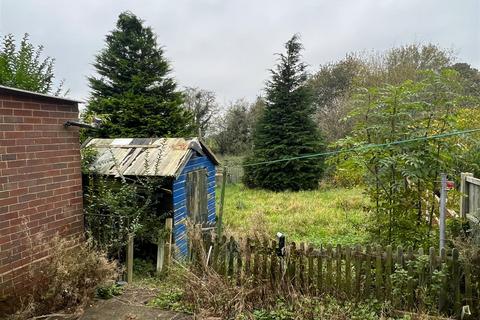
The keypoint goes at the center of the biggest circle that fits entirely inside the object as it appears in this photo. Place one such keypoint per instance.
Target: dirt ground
(131, 305)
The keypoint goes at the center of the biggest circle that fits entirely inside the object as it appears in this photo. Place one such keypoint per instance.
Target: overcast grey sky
(227, 46)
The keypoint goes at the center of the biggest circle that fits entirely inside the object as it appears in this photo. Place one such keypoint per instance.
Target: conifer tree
(133, 89)
(286, 129)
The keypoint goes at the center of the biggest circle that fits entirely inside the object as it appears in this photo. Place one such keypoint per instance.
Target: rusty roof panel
(145, 157)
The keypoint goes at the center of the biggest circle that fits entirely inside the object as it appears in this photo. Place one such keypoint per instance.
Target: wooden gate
(470, 202)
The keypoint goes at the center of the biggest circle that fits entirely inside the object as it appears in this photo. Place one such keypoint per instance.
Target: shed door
(196, 184)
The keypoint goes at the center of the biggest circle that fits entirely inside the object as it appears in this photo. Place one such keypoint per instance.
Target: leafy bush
(171, 299)
(114, 208)
(88, 157)
(426, 296)
(344, 174)
(143, 268)
(401, 179)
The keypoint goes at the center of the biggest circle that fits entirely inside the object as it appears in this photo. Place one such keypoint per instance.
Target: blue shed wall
(179, 200)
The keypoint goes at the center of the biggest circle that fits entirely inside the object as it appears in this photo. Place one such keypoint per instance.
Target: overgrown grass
(317, 217)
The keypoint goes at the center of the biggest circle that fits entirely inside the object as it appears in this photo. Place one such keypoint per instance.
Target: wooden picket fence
(410, 280)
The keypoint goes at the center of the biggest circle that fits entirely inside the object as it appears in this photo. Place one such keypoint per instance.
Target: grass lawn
(317, 217)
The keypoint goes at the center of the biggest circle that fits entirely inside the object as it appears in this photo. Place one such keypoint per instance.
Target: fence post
(291, 265)
(410, 288)
(320, 271)
(348, 271)
(379, 273)
(368, 271)
(310, 287)
(358, 269)
(338, 270)
(265, 244)
(222, 202)
(400, 259)
(216, 253)
(239, 262)
(231, 257)
(223, 256)
(273, 266)
(433, 261)
(168, 242)
(328, 274)
(389, 270)
(256, 260)
(160, 254)
(130, 258)
(248, 257)
(301, 267)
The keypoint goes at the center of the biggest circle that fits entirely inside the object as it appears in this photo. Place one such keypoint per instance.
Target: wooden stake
(160, 254)
(130, 258)
(168, 241)
(222, 201)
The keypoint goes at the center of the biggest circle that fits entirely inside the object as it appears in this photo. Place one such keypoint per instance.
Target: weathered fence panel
(470, 203)
(234, 175)
(470, 198)
(354, 272)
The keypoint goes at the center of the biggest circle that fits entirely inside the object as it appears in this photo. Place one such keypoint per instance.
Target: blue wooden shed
(188, 164)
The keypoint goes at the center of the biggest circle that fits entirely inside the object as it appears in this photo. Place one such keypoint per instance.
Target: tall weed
(66, 279)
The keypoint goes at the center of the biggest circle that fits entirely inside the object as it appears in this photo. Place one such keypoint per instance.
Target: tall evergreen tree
(134, 90)
(286, 129)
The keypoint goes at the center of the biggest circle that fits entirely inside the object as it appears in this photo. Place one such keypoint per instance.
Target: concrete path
(131, 305)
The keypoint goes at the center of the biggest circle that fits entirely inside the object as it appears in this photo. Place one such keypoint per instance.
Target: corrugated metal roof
(144, 156)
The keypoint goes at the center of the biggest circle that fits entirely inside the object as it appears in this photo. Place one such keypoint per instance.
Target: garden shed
(187, 164)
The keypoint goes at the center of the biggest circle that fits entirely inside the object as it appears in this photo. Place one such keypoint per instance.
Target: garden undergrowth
(206, 295)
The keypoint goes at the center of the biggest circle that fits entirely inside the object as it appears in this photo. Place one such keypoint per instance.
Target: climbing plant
(118, 206)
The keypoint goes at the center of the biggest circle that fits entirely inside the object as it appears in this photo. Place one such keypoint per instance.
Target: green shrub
(108, 291)
(170, 299)
(426, 295)
(143, 268)
(326, 307)
(344, 174)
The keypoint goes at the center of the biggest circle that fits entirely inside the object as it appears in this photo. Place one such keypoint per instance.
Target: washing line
(361, 147)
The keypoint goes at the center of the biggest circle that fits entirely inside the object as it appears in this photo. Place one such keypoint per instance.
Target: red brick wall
(40, 181)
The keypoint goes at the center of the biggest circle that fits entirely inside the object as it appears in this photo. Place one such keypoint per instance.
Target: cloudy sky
(227, 45)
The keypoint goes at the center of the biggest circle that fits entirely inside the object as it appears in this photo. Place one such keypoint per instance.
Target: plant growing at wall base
(67, 279)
